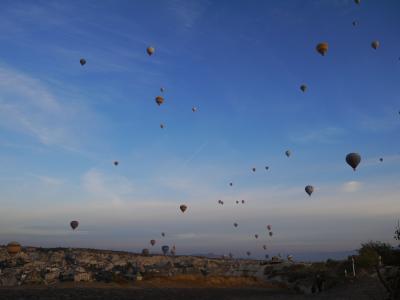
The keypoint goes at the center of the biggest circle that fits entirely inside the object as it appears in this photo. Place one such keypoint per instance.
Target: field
(187, 288)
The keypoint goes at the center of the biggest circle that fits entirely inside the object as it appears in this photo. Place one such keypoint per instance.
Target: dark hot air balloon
(256, 236)
(375, 44)
(353, 160)
(248, 253)
(82, 61)
(303, 87)
(271, 233)
(309, 189)
(145, 252)
(269, 227)
(153, 242)
(235, 224)
(150, 51)
(265, 247)
(288, 153)
(381, 159)
(159, 100)
(183, 207)
(115, 163)
(165, 249)
(254, 169)
(322, 48)
(162, 234)
(162, 126)
(74, 224)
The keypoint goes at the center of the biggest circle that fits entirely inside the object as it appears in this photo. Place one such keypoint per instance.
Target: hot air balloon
(256, 236)
(161, 89)
(183, 207)
(353, 159)
(357, 1)
(355, 23)
(153, 242)
(322, 48)
(269, 227)
(150, 51)
(194, 109)
(248, 253)
(237, 201)
(265, 247)
(309, 189)
(235, 224)
(381, 159)
(115, 163)
(242, 201)
(254, 169)
(303, 87)
(162, 126)
(82, 61)
(271, 233)
(145, 252)
(162, 234)
(288, 153)
(375, 44)
(13, 248)
(74, 224)
(159, 100)
(267, 168)
(230, 183)
(165, 249)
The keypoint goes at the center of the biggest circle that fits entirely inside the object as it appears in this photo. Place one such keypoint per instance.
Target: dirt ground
(367, 289)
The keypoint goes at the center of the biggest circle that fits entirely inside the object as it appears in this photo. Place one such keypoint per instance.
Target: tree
(397, 232)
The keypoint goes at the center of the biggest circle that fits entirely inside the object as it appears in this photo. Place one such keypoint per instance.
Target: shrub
(372, 250)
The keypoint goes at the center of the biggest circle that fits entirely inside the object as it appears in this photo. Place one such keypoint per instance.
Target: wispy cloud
(188, 12)
(29, 107)
(323, 135)
(351, 186)
(110, 188)
(50, 181)
(385, 121)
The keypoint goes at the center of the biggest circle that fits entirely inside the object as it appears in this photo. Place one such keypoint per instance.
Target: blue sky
(241, 63)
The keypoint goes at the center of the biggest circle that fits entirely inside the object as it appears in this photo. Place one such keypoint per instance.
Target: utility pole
(354, 269)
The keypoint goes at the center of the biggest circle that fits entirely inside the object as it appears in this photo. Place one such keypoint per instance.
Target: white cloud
(351, 186)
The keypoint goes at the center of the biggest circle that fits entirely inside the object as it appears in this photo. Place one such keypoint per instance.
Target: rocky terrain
(57, 272)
